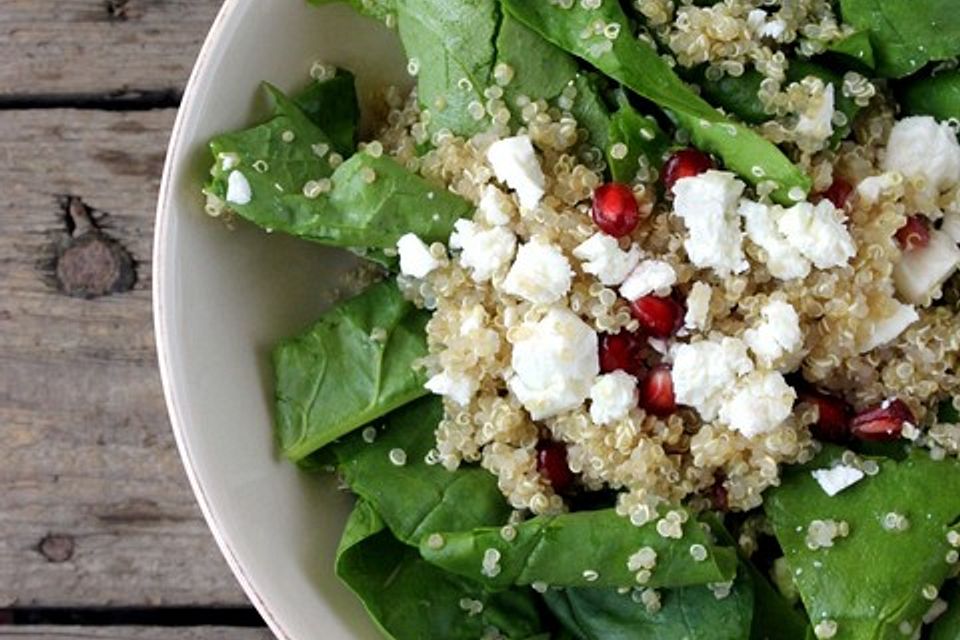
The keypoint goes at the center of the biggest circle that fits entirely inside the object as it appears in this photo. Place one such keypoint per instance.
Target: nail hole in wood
(57, 548)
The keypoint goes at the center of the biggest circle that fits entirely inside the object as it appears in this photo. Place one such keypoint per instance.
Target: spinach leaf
(869, 582)
(637, 65)
(332, 105)
(410, 599)
(641, 136)
(936, 95)
(590, 110)
(356, 213)
(582, 549)
(773, 617)
(540, 70)
(417, 499)
(340, 374)
(855, 48)
(906, 34)
(693, 613)
(947, 626)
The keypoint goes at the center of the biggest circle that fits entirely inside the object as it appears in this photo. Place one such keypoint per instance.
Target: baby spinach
(332, 105)
(891, 567)
(410, 599)
(640, 135)
(906, 34)
(947, 626)
(353, 366)
(637, 65)
(855, 49)
(773, 617)
(595, 547)
(935, 95)
(417, 498)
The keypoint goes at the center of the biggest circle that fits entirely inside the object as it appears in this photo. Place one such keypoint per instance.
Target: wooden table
(99, 533)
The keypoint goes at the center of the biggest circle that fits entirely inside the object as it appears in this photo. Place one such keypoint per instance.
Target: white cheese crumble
(836, 479)
(819, 124)
(494, 207)
(611, 397)
(515, 164)
(650, 276)
(760, 402)
(871, 189)
(922, 270)
(885, 331)
(540, 273)
(818, 232)
(238, 189)
(707, 205)
(602, 256)
(919, 147)
(698, 306)
(415, 257)
(555, 362)
(455, 386)
(483, 251)
(777, 340)
(782, 259)
(704, 371)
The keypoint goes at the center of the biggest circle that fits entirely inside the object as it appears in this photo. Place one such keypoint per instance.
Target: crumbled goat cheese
(919, 147)
(871, 189)
(759, 403)
(886, 330)
(515, 164)
(704, 371)
(415, 257)
(818, 232)
(555, 362)
(611, 397)
(238, 189)
(494, 206)
(922, 270)
(650, 276)
(819, 125)
(836, 479)
(602, 256)
(783, 260)
(707, 205)
(455, 386)
(951, 224)
(778, 340)
(483, 251)
(473, 319)
(540, 274)
(698, 306)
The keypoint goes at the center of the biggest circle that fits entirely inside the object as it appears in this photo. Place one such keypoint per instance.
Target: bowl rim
(160, 256)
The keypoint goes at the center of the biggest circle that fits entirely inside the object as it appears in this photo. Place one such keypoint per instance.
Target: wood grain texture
(132, 633)
(98, 46)
(94, 508)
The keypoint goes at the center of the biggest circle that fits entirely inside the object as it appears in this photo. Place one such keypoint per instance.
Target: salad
(657, 328)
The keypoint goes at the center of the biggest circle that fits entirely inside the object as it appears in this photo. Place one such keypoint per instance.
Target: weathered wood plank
(96, 46)
(95, 508)
(132, 633)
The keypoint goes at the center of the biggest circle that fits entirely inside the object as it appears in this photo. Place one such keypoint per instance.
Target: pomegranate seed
(684, 163)
(656, 392)
(552, 465)
(833, 423)
(883, 422)
(718, 495)
(915, 234)
(615, 209)
(620, 351)
(659, 317)
(838, 192)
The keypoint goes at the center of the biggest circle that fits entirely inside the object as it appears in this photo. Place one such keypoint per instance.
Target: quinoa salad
(655, 329)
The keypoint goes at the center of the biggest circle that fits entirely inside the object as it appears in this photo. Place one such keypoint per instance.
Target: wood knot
(116, 9)
(90, 264)
(57, 548)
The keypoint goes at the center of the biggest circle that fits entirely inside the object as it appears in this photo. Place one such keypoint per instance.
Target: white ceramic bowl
(222, 299)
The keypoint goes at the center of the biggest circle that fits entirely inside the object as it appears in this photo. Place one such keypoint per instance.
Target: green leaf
(637, 65)
(409, 599)
(540, 70)
(340, 374)
(692, 613)
(869, 582)
(947, 626)
(641, 135)
(855, 48)
(332, 105)
(417, 499)
(935, 95)
(948, 413)
(587, 541)
(773, 616)
(590, 111)
(906, 34)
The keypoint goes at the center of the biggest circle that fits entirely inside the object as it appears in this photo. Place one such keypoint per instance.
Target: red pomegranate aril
(717, 494)
(552, 465)
(658, 317)
(915, 234)
(656, 392)
(883, 422)
(838, 192)
(615, 209)
(684, 163)
(833, 423)
(620, 351)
